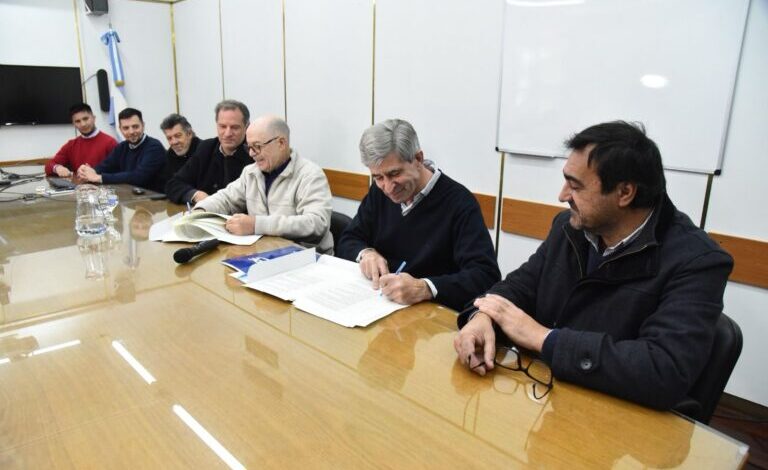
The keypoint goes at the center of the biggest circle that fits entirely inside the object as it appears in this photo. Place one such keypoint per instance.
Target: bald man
(280, 194)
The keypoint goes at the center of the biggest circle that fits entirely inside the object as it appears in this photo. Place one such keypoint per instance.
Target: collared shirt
(141, 141)
(594, 240)
(93, 134)
(406, 208)
(221, 150)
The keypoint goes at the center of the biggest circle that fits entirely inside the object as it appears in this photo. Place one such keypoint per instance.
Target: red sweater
(80, 150)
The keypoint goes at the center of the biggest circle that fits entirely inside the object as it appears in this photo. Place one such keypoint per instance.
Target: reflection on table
(163, 365)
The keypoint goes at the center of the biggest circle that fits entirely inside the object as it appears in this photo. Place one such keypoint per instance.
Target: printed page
(351, 303)
(290, 284)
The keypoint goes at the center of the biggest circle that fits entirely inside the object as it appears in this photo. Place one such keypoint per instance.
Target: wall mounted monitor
(31, 95)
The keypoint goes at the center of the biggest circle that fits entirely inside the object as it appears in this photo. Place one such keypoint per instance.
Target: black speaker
(103, 83)
(96, 7)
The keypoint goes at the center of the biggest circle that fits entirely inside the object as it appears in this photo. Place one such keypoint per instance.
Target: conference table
(160, 365)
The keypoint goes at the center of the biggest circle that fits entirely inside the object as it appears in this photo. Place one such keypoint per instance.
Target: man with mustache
(138, 160)
(217, 161)
(90, 147)
(417, 214)
(624, 294)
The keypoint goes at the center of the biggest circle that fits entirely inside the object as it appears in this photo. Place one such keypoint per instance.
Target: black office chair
(339, 222)
(705, 393)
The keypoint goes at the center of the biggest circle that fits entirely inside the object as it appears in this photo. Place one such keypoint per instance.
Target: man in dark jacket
(624, 293)
(217, 161)
(182, 143)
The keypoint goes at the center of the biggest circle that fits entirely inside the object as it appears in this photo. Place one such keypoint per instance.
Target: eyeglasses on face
(257, 147)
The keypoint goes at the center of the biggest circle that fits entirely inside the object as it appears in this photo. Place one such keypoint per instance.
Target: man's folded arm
(658, 368)
(313, 212)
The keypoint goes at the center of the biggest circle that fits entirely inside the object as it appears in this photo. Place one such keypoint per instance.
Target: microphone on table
(183, 255)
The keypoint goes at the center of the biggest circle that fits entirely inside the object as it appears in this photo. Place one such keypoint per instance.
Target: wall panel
(145, 49)
(437, 66)
(252, 52)
(737, 200)
(198, 63)
(329, 52)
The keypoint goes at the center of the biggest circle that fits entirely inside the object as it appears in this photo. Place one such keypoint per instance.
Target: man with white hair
(280, 194)
(417, 215)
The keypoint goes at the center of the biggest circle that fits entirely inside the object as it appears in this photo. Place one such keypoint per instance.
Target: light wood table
(273, 386)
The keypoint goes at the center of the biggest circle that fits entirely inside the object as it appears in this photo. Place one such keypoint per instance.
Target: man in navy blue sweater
(139, 160)
(415, 214)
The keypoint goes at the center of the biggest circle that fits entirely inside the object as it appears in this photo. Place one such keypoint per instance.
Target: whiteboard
(670, 64)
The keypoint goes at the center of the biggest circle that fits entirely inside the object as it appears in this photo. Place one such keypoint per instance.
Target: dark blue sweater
(443, 239)
(142, 166)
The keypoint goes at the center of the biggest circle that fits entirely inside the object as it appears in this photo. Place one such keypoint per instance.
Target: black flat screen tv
(37, 94)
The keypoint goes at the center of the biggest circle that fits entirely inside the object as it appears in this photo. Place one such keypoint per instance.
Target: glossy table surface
(158, 365)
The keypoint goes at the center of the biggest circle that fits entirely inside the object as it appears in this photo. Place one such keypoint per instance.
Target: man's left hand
(241, 224)
(87, 173)
(404, 288)
(523, 330)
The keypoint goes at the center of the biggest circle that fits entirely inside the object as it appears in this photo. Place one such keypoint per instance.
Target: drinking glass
(108, 200)
(89, 218)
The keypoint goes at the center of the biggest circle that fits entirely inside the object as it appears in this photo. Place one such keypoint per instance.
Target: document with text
(330, 288)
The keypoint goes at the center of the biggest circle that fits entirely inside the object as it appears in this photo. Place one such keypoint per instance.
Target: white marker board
(670, 64)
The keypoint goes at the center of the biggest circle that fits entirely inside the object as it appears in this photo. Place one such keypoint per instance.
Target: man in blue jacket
(139, 160)
(624, 294)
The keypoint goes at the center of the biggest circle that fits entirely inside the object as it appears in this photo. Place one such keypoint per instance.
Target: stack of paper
(327, 287)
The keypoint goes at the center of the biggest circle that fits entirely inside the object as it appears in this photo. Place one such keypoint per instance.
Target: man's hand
(373, 266)
(241, 224)
(523, 330)
(87, 173)
(199, 196)
(62, 171)
(404, 288)
(476, 344)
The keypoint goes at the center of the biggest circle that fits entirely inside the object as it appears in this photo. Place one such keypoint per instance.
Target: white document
(167, 230)
(331, 288)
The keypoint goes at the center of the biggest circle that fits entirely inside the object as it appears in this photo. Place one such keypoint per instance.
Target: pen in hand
(189, 208)
(399, 270)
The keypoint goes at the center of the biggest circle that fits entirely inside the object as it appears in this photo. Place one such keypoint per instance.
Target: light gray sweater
(298, 206)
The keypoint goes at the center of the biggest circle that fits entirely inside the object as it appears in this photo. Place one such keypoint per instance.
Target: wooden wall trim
(31, 161)
(534, 219)
(355, 186)
(487, 208)
(527, 218)
(346, 184)
(750, 259)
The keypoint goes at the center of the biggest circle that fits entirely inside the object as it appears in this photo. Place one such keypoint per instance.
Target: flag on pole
(117, 101)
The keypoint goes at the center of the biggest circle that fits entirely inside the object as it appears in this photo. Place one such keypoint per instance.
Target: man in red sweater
(90, 147)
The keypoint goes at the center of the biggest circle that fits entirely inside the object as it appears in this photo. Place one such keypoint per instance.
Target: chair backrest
(706, 392)
(339, 222)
